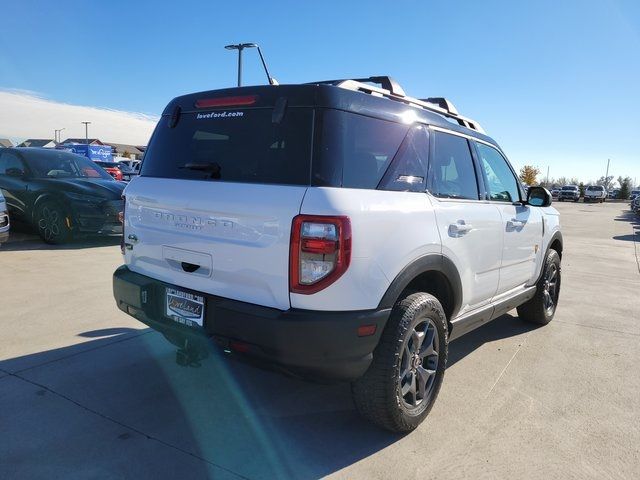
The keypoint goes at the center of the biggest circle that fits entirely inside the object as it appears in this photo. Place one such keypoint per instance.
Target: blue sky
(555, 83)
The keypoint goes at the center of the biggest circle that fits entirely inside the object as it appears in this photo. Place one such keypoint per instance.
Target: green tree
(529, 175)
(625, 187)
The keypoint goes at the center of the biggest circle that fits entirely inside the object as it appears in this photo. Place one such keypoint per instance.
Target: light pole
(242, 46)
(56, 135)
(86, 131)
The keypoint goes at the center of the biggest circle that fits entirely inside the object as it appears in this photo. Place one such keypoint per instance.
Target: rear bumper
(323, 345)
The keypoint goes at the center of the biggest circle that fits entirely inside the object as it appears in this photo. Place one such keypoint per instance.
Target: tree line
(529, 176)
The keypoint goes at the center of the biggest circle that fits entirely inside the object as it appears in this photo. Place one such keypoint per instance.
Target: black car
(60, 193)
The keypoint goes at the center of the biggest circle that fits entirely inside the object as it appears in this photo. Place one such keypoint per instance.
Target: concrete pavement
(87, 392)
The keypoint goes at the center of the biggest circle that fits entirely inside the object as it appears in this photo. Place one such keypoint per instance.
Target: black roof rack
(392, 90)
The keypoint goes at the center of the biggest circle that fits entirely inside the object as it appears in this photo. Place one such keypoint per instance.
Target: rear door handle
(459, 229)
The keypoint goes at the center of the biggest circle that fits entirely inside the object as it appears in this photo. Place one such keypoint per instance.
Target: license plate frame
(184, 307)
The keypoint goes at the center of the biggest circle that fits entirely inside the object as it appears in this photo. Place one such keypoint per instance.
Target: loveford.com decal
(203, 116)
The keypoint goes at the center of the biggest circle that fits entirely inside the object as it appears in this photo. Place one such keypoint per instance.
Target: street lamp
(56, 135)
(242, 46)
(86, 131)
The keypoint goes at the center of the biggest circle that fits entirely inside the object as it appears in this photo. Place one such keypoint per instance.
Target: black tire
(400, 355)
(51, 223)
(542, 307)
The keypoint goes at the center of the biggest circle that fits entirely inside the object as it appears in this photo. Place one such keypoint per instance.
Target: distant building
(5, 143)
(38, 142)
(129, 151)
(92, 141)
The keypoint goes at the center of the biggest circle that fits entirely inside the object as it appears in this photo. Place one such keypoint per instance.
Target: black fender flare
(433, 262)
(556, 236)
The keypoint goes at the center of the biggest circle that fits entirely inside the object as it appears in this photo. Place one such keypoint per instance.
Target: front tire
(542, 307)
(404, 378)
(51, 223)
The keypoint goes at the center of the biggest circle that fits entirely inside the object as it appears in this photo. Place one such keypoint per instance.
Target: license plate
(184, 307)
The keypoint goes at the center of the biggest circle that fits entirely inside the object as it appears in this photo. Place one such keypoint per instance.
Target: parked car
(5, 224)
(60, 193)
(112, 168)
(360, 265)
(569, 192)
(595, 193)
(614, 193)
(635, 205)
(634, 194)
(128, 162)
(126, 171)
(555, 193)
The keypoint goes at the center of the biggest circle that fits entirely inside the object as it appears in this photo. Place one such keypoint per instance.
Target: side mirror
(539, 197)
(15, 172)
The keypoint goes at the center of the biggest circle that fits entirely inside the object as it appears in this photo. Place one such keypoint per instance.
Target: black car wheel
(542, 307)
(404, 378)
(52, 223)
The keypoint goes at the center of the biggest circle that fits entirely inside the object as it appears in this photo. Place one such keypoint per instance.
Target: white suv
(337, 230)
(595, 193)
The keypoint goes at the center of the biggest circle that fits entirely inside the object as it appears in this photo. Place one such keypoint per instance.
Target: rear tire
(51, 223)
(404, 378)
(542, 307)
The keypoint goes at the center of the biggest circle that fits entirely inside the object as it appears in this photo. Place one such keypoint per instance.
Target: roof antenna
(242, 46)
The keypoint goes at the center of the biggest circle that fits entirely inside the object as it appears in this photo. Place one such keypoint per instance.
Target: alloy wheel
(551, 288)
(49, 223)
(418, 365)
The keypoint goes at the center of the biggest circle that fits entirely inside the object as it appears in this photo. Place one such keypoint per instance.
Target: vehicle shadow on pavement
(502, 327)
(24, 240)
(223, 417)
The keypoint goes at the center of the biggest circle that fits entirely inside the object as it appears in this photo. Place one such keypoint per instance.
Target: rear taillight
(121, 218)
(320, 252)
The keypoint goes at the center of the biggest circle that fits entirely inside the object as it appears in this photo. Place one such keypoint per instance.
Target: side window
(451, 171)
(501, 182)
(408, 170)
(9, 160)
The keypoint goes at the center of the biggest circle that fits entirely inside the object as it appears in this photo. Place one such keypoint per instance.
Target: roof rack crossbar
(392, 89)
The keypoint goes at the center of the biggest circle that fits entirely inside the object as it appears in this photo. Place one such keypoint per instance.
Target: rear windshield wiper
(212, 167)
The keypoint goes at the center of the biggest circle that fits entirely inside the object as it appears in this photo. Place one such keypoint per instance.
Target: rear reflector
(226, 101)
(366, 330)
(239, 347)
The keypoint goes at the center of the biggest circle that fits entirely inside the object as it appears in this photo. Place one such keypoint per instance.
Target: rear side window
(501, 182)
(9, 161)
(451, 171)
(408, 171)
(240, 146)
(354, 151)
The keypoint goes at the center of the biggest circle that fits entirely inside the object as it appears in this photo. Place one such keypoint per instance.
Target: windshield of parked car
(595, 188)
(569, 187)
(61, 164)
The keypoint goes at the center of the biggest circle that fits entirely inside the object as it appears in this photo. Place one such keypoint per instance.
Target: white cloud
(25, 114)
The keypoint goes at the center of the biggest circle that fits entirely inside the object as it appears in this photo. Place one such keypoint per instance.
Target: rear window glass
(595, 188)
(354, 151)
(241, 146)
(452, 172)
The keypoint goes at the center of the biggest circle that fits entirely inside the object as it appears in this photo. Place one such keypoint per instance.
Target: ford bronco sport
(338, 230)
